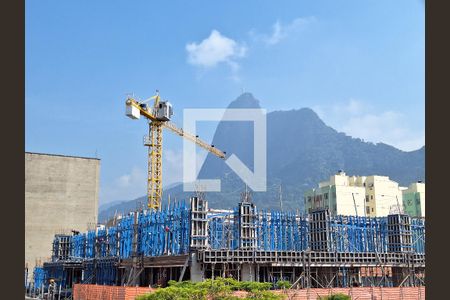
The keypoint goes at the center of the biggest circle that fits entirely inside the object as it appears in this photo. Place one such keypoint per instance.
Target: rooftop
(61, 155)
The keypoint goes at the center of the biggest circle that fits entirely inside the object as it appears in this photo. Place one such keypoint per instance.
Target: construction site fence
(360, 293)
(102, 292)
(106, 292)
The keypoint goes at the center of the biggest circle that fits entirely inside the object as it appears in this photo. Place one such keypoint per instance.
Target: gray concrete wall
(61, 194)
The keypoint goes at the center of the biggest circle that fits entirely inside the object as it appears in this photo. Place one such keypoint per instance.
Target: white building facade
(371, 196)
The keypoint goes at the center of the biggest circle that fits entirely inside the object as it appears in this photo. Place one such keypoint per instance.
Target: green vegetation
(336, 297)
(283, 284)
(217, 289)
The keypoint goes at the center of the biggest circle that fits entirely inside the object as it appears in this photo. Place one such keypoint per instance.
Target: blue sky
(359, 64)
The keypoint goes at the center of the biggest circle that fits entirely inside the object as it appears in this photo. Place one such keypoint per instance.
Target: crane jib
(159, 115)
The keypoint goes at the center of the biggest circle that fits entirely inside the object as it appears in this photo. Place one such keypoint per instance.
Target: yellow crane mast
(158, 117)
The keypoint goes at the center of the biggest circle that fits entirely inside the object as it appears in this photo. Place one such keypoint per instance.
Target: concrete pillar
(257, 272)
(151, 281)
(196, 269)
(358, 275)
(248, 272)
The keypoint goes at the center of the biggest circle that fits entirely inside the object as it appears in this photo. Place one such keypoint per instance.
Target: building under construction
(193, 242)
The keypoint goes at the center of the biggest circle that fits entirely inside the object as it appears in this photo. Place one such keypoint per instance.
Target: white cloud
(358, 119)
(354, 107)
(124, 180)
(215, 49)
(133, 184)
(135, 177)
(389, 127)
(281, 31)
(128, 186)
(173, 164)
(172, 167)
(277, 34)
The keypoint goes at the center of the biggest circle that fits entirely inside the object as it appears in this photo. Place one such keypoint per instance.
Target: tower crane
(158, 117)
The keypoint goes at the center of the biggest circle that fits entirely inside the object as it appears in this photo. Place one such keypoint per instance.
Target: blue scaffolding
(39, 277)
(90, 244)
(358, 234)
(283, 231)
(79, 246)
(126, 232)
(106, 272)
(101, 271)
(418, 235)
(61, 247)
(56, 272)
(167, 232)
(275, 230)
(113, 241)
(102, 249)
(222, 231)
(178, 229)
(164, 232)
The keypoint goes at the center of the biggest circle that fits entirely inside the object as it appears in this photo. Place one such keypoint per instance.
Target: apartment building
(370, 196)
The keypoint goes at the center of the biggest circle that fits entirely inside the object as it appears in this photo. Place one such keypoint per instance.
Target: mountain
(301, 151)
(106, 206)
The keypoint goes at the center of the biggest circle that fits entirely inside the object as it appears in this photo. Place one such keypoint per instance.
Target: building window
(326, 196)
(367, 210)
(372, 209)
(367, 198)
(309, 198)
(371, 197)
